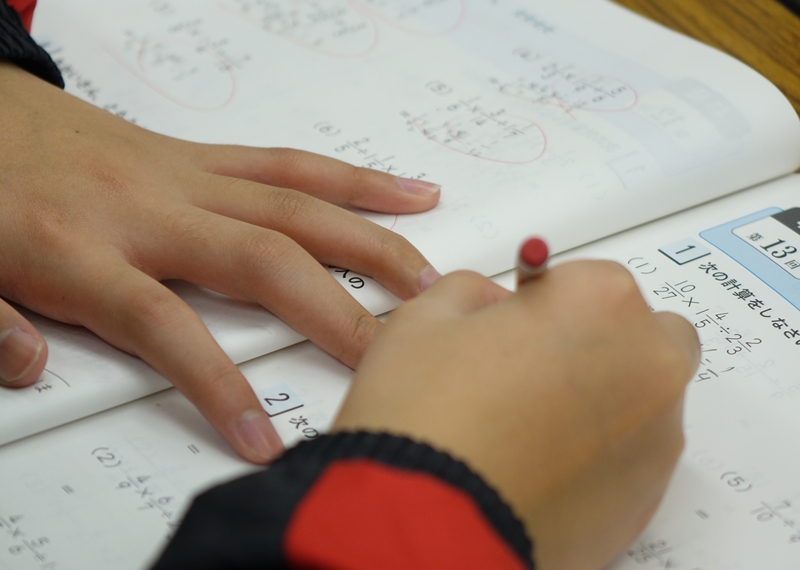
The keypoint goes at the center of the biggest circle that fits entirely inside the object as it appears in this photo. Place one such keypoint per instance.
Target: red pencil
(532, 260)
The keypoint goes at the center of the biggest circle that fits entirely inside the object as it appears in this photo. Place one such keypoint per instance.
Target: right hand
(567, 397)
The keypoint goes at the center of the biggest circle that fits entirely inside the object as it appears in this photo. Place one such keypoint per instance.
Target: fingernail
(428, 276)
(418, 187)
(19, 352)
(257, 433)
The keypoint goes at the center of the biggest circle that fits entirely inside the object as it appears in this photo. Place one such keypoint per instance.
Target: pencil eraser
(534, 252)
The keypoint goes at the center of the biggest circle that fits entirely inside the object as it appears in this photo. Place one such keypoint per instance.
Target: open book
(575, 120)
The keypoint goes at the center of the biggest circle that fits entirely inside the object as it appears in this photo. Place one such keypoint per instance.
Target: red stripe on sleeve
(25, 10)
(364, 515)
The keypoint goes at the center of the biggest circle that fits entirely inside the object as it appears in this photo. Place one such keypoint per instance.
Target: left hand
(95, 211)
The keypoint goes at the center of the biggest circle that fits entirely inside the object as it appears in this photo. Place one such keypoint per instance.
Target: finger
(23, 351)
(266, 267)
(332, 235)
(139, 315)
(685, 338)
(458, 293)
(326, 178)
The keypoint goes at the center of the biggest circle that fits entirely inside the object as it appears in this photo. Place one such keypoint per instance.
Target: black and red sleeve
(352, 502)
(17, 46)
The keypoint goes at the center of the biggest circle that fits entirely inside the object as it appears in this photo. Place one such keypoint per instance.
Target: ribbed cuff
(17, 46)
(241, 524)
(404, 453)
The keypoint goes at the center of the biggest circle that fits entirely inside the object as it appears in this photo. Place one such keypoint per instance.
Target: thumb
(23, 351)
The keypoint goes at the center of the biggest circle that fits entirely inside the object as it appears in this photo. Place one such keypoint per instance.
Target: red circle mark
(228, 66)
(138, 71)
(534, 252)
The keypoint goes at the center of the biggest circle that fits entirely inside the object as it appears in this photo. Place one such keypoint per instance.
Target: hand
(566, 397)
(95, 211)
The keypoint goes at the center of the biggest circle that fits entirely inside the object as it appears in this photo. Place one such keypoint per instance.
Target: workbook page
(571, 119)
(575, 119)
(107, 491)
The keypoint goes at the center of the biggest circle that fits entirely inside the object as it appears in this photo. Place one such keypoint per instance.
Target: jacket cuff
(17, 46)
(262, 508)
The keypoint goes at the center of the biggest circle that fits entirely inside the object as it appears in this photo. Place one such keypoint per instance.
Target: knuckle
(219, 379)
(152, 308)
(616, 277)
(604, 288)
(281, 165)
(269, 253)
(283, 159)
(224, 185)
(361, 183)
(184, 225)
(358, 180)
(49, 227)
(389, 249)
(108, 182)
(616, 287)
(288, 205)
(362, 330)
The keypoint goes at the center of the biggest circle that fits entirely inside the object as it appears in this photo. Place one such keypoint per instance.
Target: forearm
(352, 501)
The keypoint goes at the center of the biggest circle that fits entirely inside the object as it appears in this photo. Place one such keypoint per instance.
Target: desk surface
(761, 33)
